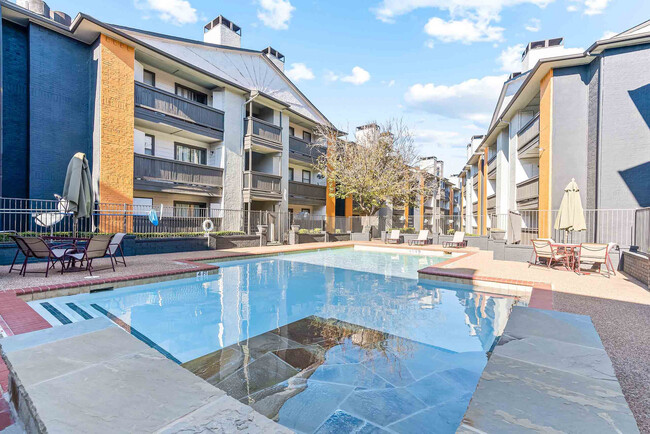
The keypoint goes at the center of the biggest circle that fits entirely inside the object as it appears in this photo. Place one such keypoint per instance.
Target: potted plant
(498, 234)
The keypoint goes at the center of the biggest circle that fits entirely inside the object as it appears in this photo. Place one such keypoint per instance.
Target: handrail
(173, 95)
(528, 181)
(254, 119)
(528, 124)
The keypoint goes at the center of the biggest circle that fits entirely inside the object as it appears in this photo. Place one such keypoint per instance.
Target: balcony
(491, 204)
(528, 139)
(171, 176)
(528, 193)
(304, 151)
(262, 136)
(261, 186)
(172, 113)
(301, 193)
(475, 182)
(492, 167)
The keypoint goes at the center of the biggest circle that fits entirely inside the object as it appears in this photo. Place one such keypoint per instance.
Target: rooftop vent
(222, 31)
(61, 17)
(276, 57)
(541, 49)
(41, 8)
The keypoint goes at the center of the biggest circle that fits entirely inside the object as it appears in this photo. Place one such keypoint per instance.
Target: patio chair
(543, 249)
(596, 254)
(36, 247)
(115, 248)
(394, 237)
(458, 241)
(421, 240)
(97, 247)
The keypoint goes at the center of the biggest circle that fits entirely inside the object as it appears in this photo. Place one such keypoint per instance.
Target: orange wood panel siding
(545, 153)
(330, 206)
(116, 124)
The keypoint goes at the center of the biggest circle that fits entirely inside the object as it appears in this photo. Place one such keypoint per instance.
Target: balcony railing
(492, 202)
(150, 168)
(263, 133)
(310, 192)
(262, 182)
(528, 189)
(528, 133)
(166, 104)
(303, 150)
(492, 165)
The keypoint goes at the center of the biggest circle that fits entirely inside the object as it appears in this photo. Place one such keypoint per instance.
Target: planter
(498, 234)
(221, 242)
(297, 238)
(149, 246)
(337, 237)
(360, 236)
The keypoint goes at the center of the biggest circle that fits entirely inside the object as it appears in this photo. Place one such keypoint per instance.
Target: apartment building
(582, 116)
(197, 126)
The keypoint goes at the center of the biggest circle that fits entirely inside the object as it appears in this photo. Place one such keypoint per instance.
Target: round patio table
(570, 250)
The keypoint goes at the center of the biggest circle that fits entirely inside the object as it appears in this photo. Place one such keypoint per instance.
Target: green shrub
(307, 231)
(451, 232)
(408, 230)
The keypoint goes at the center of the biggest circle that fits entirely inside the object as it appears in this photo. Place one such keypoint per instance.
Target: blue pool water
(325, 341)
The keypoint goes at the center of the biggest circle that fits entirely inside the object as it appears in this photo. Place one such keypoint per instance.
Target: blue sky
(438, 64)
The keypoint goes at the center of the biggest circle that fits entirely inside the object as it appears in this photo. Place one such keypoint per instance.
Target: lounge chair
(115, 248)
(421, 240)
(458, 241)
(36, 247)
(394, 237)
(595, 253)
(97, 247)
(543, 249)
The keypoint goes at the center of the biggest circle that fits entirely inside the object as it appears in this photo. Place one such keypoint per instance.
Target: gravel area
(624, 329)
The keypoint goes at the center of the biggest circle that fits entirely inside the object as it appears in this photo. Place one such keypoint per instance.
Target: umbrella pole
(74, 228)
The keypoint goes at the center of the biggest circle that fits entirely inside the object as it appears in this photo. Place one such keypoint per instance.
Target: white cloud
(391, 83)
(299, 71)
(471, 100)
(465, 30)
(358, 76)
(275, 13)
(534, 25)
(429, 43)
(388, 10)
(331, 76)
(595, 7)
(608, 34)
(510, 58)
(177, 12)
(591, 7)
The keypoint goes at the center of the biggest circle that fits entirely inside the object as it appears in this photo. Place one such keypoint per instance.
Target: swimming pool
(333, 340)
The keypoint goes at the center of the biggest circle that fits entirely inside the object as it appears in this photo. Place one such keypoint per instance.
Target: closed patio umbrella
(77, 189)
(571, 217)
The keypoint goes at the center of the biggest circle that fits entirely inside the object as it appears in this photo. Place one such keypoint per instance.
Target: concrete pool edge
(101, 368)
(548, 372)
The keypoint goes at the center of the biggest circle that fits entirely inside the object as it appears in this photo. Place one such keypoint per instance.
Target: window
(149, 144)
(292, 132)
(149, 78)
(306, 176)
(189, 154)
(306, 136)
(190, 209)
(290, 173)
(191, 94)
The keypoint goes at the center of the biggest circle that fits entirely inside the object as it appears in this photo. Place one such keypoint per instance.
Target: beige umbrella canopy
(571, 217)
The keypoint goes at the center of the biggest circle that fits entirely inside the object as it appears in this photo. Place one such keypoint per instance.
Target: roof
(242, 69)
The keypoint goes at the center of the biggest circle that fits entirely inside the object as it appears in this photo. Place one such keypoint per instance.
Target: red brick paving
(16, 317)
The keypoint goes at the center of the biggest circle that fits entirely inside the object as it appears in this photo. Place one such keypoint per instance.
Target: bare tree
(380, 167)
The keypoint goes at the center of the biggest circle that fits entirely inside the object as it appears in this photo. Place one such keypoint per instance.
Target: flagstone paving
(548, 373)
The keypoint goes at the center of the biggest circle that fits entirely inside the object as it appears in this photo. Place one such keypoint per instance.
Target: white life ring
(208, 226)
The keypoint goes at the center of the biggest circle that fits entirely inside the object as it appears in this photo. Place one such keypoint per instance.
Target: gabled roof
(249, 69)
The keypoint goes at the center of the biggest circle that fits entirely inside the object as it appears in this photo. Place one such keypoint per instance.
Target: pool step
(59, 313)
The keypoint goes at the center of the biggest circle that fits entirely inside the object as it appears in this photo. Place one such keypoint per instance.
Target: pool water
(339, 340)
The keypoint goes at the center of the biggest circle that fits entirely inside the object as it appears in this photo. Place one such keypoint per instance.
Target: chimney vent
(61, 18)
(539, 50)
(276, 57)
(36, 6)
(222, 31)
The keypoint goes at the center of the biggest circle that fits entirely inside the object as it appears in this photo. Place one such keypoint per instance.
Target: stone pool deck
(548, 373)
(94, 377)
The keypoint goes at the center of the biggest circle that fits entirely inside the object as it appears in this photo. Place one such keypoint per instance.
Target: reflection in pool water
(328, 341)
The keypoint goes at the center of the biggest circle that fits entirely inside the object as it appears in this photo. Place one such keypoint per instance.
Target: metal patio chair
(97, 247)
(37, 247)
(115, 248)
